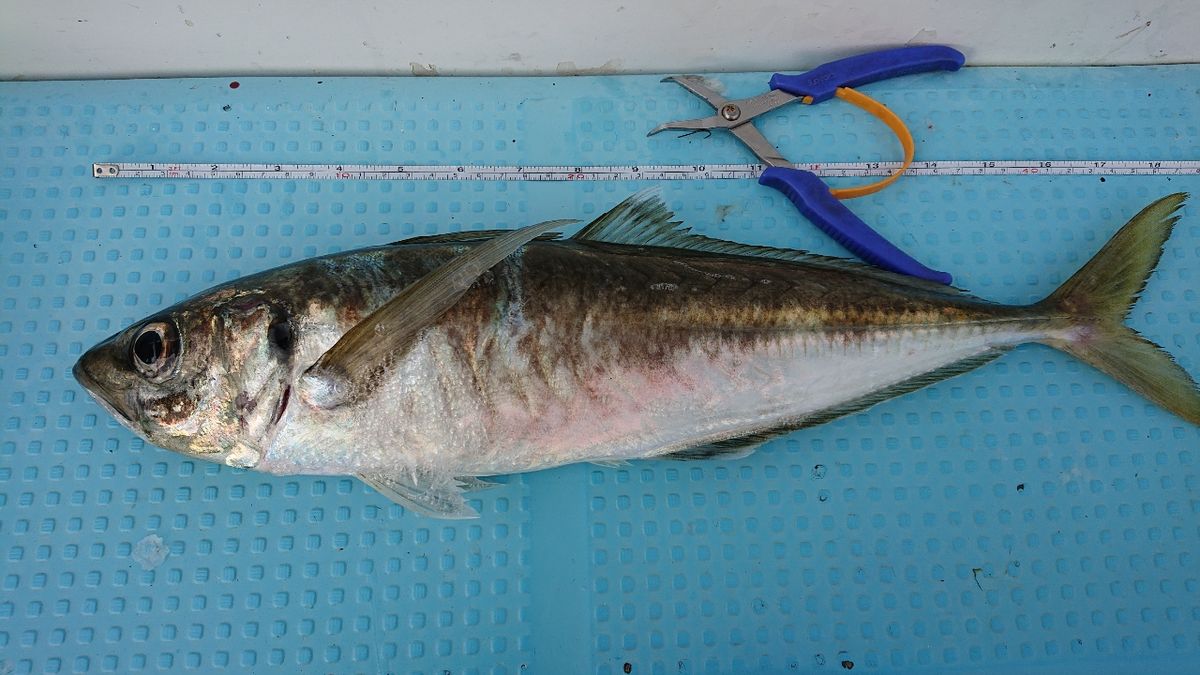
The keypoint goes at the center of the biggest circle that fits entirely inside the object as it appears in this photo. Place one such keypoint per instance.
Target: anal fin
(733, 448)
(473, 483)
(903, 387)
(736, 448)
(610, 463)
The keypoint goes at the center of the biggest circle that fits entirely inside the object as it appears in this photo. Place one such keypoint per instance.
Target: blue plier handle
(822, 82)
(805, 189)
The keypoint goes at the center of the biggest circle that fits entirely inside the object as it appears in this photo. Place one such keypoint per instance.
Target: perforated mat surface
(1030, 515)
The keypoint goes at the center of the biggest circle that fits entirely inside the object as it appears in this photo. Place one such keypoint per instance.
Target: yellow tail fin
(1097, 299)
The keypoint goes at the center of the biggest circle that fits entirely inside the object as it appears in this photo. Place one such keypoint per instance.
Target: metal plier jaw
(815, 200)
(736, 116)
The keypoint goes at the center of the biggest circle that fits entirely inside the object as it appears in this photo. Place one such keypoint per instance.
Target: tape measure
(226, 171)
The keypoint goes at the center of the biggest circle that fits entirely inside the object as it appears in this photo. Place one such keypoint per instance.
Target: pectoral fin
(431, 496)
(353, 367)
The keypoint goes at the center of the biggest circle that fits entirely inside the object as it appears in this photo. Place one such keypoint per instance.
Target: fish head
(209, 378)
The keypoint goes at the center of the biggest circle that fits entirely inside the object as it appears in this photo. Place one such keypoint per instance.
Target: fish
(426, 366)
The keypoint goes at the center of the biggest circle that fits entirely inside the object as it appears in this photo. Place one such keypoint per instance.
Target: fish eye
(155, 347)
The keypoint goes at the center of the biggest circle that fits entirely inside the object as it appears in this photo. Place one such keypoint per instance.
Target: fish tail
(1098, 298)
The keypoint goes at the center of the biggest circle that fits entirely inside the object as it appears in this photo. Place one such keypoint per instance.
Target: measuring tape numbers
(256, 171)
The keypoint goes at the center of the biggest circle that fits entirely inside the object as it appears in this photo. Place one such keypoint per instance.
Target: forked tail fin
(1097, 299)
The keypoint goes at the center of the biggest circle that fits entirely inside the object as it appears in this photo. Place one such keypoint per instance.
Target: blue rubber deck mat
(1031, 515)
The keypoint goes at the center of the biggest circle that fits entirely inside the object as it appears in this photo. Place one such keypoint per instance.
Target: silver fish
(424, 365)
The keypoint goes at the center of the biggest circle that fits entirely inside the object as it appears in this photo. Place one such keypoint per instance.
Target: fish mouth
(92, 386)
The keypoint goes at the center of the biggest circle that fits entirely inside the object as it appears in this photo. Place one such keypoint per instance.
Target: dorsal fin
(644, 220)
(458, 237)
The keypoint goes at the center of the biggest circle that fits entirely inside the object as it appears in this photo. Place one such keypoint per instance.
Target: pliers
(815, 200)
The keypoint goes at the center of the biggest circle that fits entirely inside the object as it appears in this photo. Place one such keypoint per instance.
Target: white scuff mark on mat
(423, 69)
(609, 67)
(150, 552)
(1136, 29)
(924, 36)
